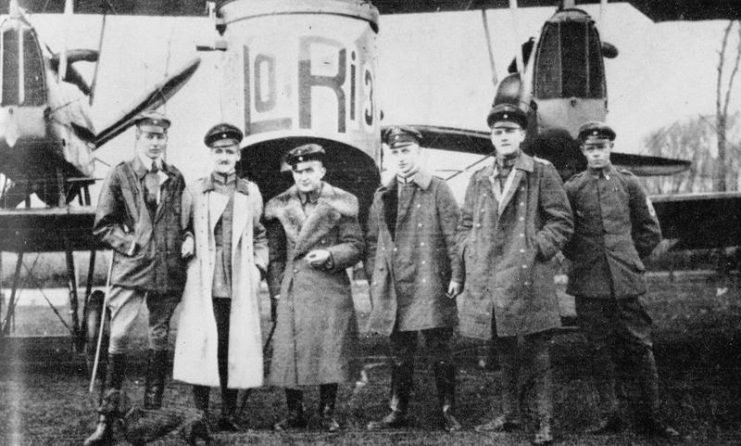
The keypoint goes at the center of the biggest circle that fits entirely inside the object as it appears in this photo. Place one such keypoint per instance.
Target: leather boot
(510, 419)
(445, 381)
(154, 385)
(295, 418)
(327, 399)
(228, 419)
(402, 374)
(110, 406)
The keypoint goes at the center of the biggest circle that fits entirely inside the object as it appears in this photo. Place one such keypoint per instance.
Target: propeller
(154, 98)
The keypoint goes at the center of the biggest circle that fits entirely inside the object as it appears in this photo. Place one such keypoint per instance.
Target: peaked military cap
(304, 153)
(506, 113)
(153, 118)
(401, 136)
(222, 131)
(595, 129)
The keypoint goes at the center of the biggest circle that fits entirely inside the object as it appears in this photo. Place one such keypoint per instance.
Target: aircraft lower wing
(702, 220)
(563, 154)
(47, 229)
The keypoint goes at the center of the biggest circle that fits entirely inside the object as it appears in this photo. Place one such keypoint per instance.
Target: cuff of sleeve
(132, 249)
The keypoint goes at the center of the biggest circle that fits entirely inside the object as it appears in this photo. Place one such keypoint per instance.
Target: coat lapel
(522, 167)
(240, 217)
(165, 192)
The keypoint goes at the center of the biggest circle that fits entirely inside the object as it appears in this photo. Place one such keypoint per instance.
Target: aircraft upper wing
(702, 220)
(657, 10)
(159, 94)
(477, 142)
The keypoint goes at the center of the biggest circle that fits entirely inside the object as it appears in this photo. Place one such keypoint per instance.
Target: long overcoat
(122, 219)
(316, 335)
(196, 347)
(409, 270)
(615, 226)
(508, 241)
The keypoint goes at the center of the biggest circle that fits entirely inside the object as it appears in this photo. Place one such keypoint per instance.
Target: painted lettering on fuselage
(329, 77)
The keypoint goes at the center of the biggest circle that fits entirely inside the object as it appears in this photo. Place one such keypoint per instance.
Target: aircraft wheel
(92, 320)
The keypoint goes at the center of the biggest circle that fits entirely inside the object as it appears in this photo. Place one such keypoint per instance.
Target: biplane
(291, 72)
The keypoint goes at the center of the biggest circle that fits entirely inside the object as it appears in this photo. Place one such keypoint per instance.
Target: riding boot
(402, 375)
(295, 418)
(110, 406)
(227, 420)
(327, 398)
(154, 385)
(509, 420)
(445, 381)
(199, 428)
(649, 421)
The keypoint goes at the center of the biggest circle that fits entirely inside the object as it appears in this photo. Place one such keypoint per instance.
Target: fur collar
(305, 231)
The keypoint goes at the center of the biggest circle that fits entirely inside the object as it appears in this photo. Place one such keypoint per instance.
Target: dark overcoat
(615, 226)
(316, 335)
(508, 243)
(122, 219)
(411, 257)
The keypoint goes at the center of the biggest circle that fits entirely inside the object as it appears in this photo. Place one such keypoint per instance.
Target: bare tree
(722, 100)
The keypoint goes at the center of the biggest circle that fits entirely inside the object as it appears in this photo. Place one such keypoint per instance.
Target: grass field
(44, 399)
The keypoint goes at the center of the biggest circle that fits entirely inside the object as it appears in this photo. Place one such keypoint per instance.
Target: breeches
(438, 340)
(125, 304)
(620, 333)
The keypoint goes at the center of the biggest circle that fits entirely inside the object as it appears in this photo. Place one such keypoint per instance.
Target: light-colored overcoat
(508, 240)
(409, 274)
(196, 346)
(316, 335)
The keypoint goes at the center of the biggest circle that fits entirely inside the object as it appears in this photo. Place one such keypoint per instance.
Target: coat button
(421, 243)
(527, 283)
(396, 249)
(524, 266)
(522, 203)
(522, 234)
(419, 225)
(419, 205)
(522, 218)
(295, 270)
(478, 225)
(522, 250)
(424, 262)
(324, 241)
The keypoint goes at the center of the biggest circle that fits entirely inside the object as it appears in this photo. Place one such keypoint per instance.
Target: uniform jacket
(508, 243)
(409, 271)
(316, 333)
(122, 219)
(615, 226)
(196, 346)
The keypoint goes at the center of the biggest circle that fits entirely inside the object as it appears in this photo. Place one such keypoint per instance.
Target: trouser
(438, 340)
(124, 305)
(620, 333)
(525, 365)
(222, 313)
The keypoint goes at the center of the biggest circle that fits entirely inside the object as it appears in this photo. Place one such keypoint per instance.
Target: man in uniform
(415, 274)
(515, 219)
(615, 227)
(219, 340)
(139, 218)
(313, 236)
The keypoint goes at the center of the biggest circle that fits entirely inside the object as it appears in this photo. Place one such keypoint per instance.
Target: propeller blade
(151, 100)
